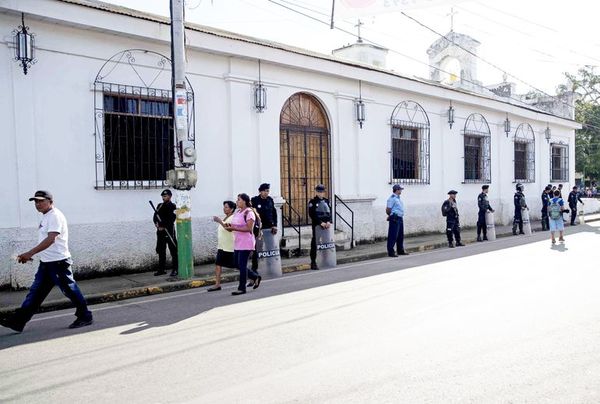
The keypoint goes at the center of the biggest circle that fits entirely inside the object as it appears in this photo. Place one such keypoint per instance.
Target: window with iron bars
(410, 153)
(137, 130)
(524, 161)
(559, 162)
(477, 160)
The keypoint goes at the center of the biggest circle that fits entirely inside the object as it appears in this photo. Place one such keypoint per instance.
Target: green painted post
(185, 253)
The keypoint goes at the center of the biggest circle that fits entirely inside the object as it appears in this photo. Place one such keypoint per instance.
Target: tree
(586, 83)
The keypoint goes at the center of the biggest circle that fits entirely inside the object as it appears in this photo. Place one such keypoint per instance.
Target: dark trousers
(395, 235)
(313, 246)
(49, 274)
(241, 262)
(453, 229)
(545, 220)
(162, 242)
(517, 221)
(573, 214)
(481, 226)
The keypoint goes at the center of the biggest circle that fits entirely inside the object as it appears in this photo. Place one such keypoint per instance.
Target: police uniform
(165, 217)
(319, 211)
(268, 218)
(520, 204)
(545, 204)
(450, 211)
(484, 205)
(573, 198)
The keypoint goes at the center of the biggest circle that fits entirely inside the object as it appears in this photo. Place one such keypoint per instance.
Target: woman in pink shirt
(243, 241)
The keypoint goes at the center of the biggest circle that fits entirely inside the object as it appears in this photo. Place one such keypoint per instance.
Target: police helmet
(519, 187)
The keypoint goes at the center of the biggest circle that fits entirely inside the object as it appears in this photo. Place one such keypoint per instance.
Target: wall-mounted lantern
(260, 93)
(24, 45)
(507, 126)
(450, 115)
(548, 133)
(360, 107)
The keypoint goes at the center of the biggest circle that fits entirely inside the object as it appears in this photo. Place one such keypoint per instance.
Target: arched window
(477, 149)
(524, 145)
(410, 144)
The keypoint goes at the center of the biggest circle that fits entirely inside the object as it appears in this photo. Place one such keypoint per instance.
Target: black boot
(479, 239)
(450, 244)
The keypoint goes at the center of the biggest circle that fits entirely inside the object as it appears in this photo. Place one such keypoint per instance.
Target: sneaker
(12, 324)
(81, 322)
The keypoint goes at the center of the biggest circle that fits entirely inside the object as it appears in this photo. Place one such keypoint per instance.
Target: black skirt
(225, 259)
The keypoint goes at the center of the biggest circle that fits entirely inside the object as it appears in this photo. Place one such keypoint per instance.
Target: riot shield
(326, 257)
(269, 259)
(526, 222)
(491, 225)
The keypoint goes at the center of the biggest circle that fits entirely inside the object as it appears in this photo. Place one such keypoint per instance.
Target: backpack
(256, 230)
(554, 210)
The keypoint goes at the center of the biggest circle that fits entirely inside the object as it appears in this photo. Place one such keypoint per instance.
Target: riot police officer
(164, 220)
(573, 198)
(545, 203)
(484, 205)
(450, 211)
(319, 211)
(520, 204)
(265, 207)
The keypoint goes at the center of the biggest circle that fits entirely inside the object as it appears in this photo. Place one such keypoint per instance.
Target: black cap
(452, 192)
(41, 195)
(166, 192)
(396, 187)
(485, 186)
(320, 188)
(264, 187)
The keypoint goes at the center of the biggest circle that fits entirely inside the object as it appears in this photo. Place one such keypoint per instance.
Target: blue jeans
(50, 274)
(241, 262)
(395, 235)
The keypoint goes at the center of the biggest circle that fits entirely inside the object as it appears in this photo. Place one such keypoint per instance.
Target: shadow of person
(560, 247)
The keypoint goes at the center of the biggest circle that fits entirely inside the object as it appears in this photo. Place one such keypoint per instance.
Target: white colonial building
(91, 122)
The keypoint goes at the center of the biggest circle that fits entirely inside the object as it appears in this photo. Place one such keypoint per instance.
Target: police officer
(319, 211)
(545, 204)
(573, 198)
(265, 206)
(520, 204)
(164, 220)
(484, 205)
(395, 211)
(450, 211)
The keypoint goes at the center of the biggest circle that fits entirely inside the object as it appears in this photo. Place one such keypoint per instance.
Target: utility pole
(182, 177)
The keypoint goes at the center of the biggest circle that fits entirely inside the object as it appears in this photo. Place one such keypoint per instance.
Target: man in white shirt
(55, 261)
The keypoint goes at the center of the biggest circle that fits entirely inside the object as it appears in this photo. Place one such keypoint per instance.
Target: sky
(534, 41)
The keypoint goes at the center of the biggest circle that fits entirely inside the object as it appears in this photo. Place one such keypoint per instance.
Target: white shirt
(54, 221)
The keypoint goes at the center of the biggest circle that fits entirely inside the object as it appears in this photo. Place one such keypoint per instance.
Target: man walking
(395, 211)
(265, 206)
(484, 206)
(164, 220)
(54, 268)
(520, 205)
(450, 211)
(319, 211)
(573, 198)
(545, 203)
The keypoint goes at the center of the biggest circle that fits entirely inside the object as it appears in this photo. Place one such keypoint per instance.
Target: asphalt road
(512, 321)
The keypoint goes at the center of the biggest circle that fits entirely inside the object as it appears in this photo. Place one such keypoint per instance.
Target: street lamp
(507, 125)
(548, 133)
(260, 93)
(450, 115)
(24, 49)
(360, 107)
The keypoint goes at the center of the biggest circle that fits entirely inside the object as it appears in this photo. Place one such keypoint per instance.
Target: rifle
(160, 221)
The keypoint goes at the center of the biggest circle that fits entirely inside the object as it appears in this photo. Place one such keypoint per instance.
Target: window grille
(409, 144)
(524, 154)
(559, 162)
(477, 150)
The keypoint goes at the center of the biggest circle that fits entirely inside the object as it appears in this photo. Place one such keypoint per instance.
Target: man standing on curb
(55, 261)
(265, 206)
(573, 198)
(319, 211)
(520, 205)
(545, 203)
(484, 205)
(164, 220)
(450, 211)
(395, 211)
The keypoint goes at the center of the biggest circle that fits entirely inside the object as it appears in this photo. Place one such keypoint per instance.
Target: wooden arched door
(305, 154)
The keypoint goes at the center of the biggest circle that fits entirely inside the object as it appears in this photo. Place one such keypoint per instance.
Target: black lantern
(260, 93)
(548, 133)
(450, 115)
(360, 107)
(507, 125)
(24, 49)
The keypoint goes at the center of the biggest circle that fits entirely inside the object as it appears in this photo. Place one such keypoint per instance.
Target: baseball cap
(320, 188)
(396, 187)
(166, 192)
(41, 195)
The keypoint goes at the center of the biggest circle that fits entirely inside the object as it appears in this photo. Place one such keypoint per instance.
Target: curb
(174, 286)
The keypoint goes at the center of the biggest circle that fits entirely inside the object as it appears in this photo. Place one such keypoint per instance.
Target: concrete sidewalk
(106, 289)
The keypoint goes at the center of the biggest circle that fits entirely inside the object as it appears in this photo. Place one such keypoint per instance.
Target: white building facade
(91, 123)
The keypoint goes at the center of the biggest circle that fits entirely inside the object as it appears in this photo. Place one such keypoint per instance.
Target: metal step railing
(287, 219)
(337, 214)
